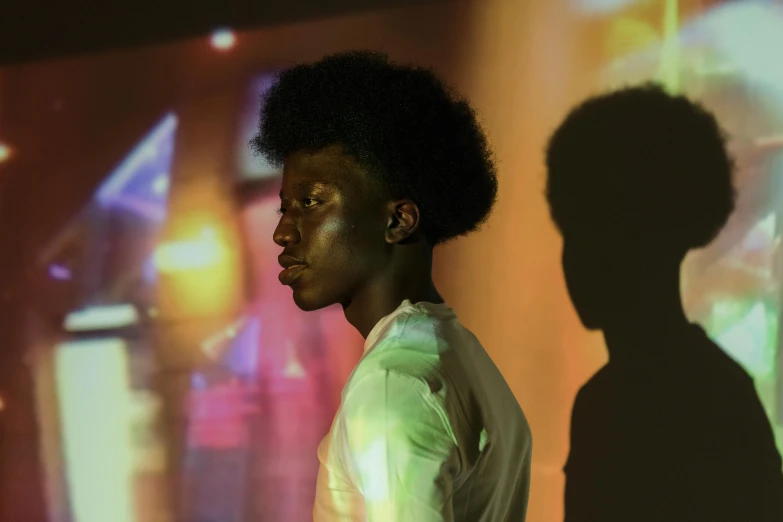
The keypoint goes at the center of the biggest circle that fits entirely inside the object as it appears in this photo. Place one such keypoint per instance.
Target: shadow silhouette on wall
(671, 428)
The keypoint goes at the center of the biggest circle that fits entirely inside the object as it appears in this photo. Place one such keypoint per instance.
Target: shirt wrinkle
(397, 442)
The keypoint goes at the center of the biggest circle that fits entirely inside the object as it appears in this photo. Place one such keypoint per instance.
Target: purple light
(59, 272)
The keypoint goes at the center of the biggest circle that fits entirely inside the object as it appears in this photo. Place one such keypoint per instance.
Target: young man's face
(333, 222)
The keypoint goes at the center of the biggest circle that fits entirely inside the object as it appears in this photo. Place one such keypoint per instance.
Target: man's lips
(291, 274)
(288, 261)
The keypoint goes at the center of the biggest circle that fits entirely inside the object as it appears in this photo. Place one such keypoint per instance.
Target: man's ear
(403, 222)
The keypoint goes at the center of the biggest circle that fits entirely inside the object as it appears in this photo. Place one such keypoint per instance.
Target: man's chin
(308, 303)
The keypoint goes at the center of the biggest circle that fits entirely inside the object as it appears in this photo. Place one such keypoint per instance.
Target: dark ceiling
(31, 30)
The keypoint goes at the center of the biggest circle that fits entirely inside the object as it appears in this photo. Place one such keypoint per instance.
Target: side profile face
(332, 221)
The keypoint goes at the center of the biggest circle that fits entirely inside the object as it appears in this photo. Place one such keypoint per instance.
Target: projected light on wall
(204, 251)
(735, 287)
(140, 184)
(253, 167)
(101, 318)
(602, 6)
(754, 53)
(94, 393)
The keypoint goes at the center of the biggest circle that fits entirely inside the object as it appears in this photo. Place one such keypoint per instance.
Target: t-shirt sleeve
(400, 444)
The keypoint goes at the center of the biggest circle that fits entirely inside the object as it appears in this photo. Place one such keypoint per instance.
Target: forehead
(326, 168)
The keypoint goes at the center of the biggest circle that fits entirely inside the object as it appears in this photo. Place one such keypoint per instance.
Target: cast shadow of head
(671, 428)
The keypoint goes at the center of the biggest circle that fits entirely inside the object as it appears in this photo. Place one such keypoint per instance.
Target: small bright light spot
(59, 272)
(293, 368)
(161, 185)
(223, 39)
(5, 152)
(2, 404)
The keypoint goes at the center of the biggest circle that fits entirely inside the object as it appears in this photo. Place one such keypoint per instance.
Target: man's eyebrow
(309, 184)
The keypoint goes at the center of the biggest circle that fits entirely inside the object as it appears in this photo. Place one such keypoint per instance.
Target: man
(380, 164)
(671, 428)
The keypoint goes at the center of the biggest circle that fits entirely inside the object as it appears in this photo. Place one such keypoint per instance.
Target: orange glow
(201, 267)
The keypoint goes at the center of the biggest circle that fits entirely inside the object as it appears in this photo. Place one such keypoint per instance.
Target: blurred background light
(96, 428)
(59, 272)
(101, 318)
(223, 39)
(203, 252)
(5, 152)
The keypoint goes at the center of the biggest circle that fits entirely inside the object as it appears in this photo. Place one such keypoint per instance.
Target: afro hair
(642, 165)
(401, 123)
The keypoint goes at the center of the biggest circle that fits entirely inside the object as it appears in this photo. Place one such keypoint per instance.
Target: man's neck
(379, 298)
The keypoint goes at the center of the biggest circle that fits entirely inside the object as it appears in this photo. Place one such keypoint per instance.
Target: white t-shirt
(427, 430)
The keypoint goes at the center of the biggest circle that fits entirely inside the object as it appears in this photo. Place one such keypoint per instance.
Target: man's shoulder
(396, 376)
(382, 398)
(398, 356)
(408, 371)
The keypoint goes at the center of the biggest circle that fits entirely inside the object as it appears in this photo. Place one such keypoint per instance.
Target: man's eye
(281, 210)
